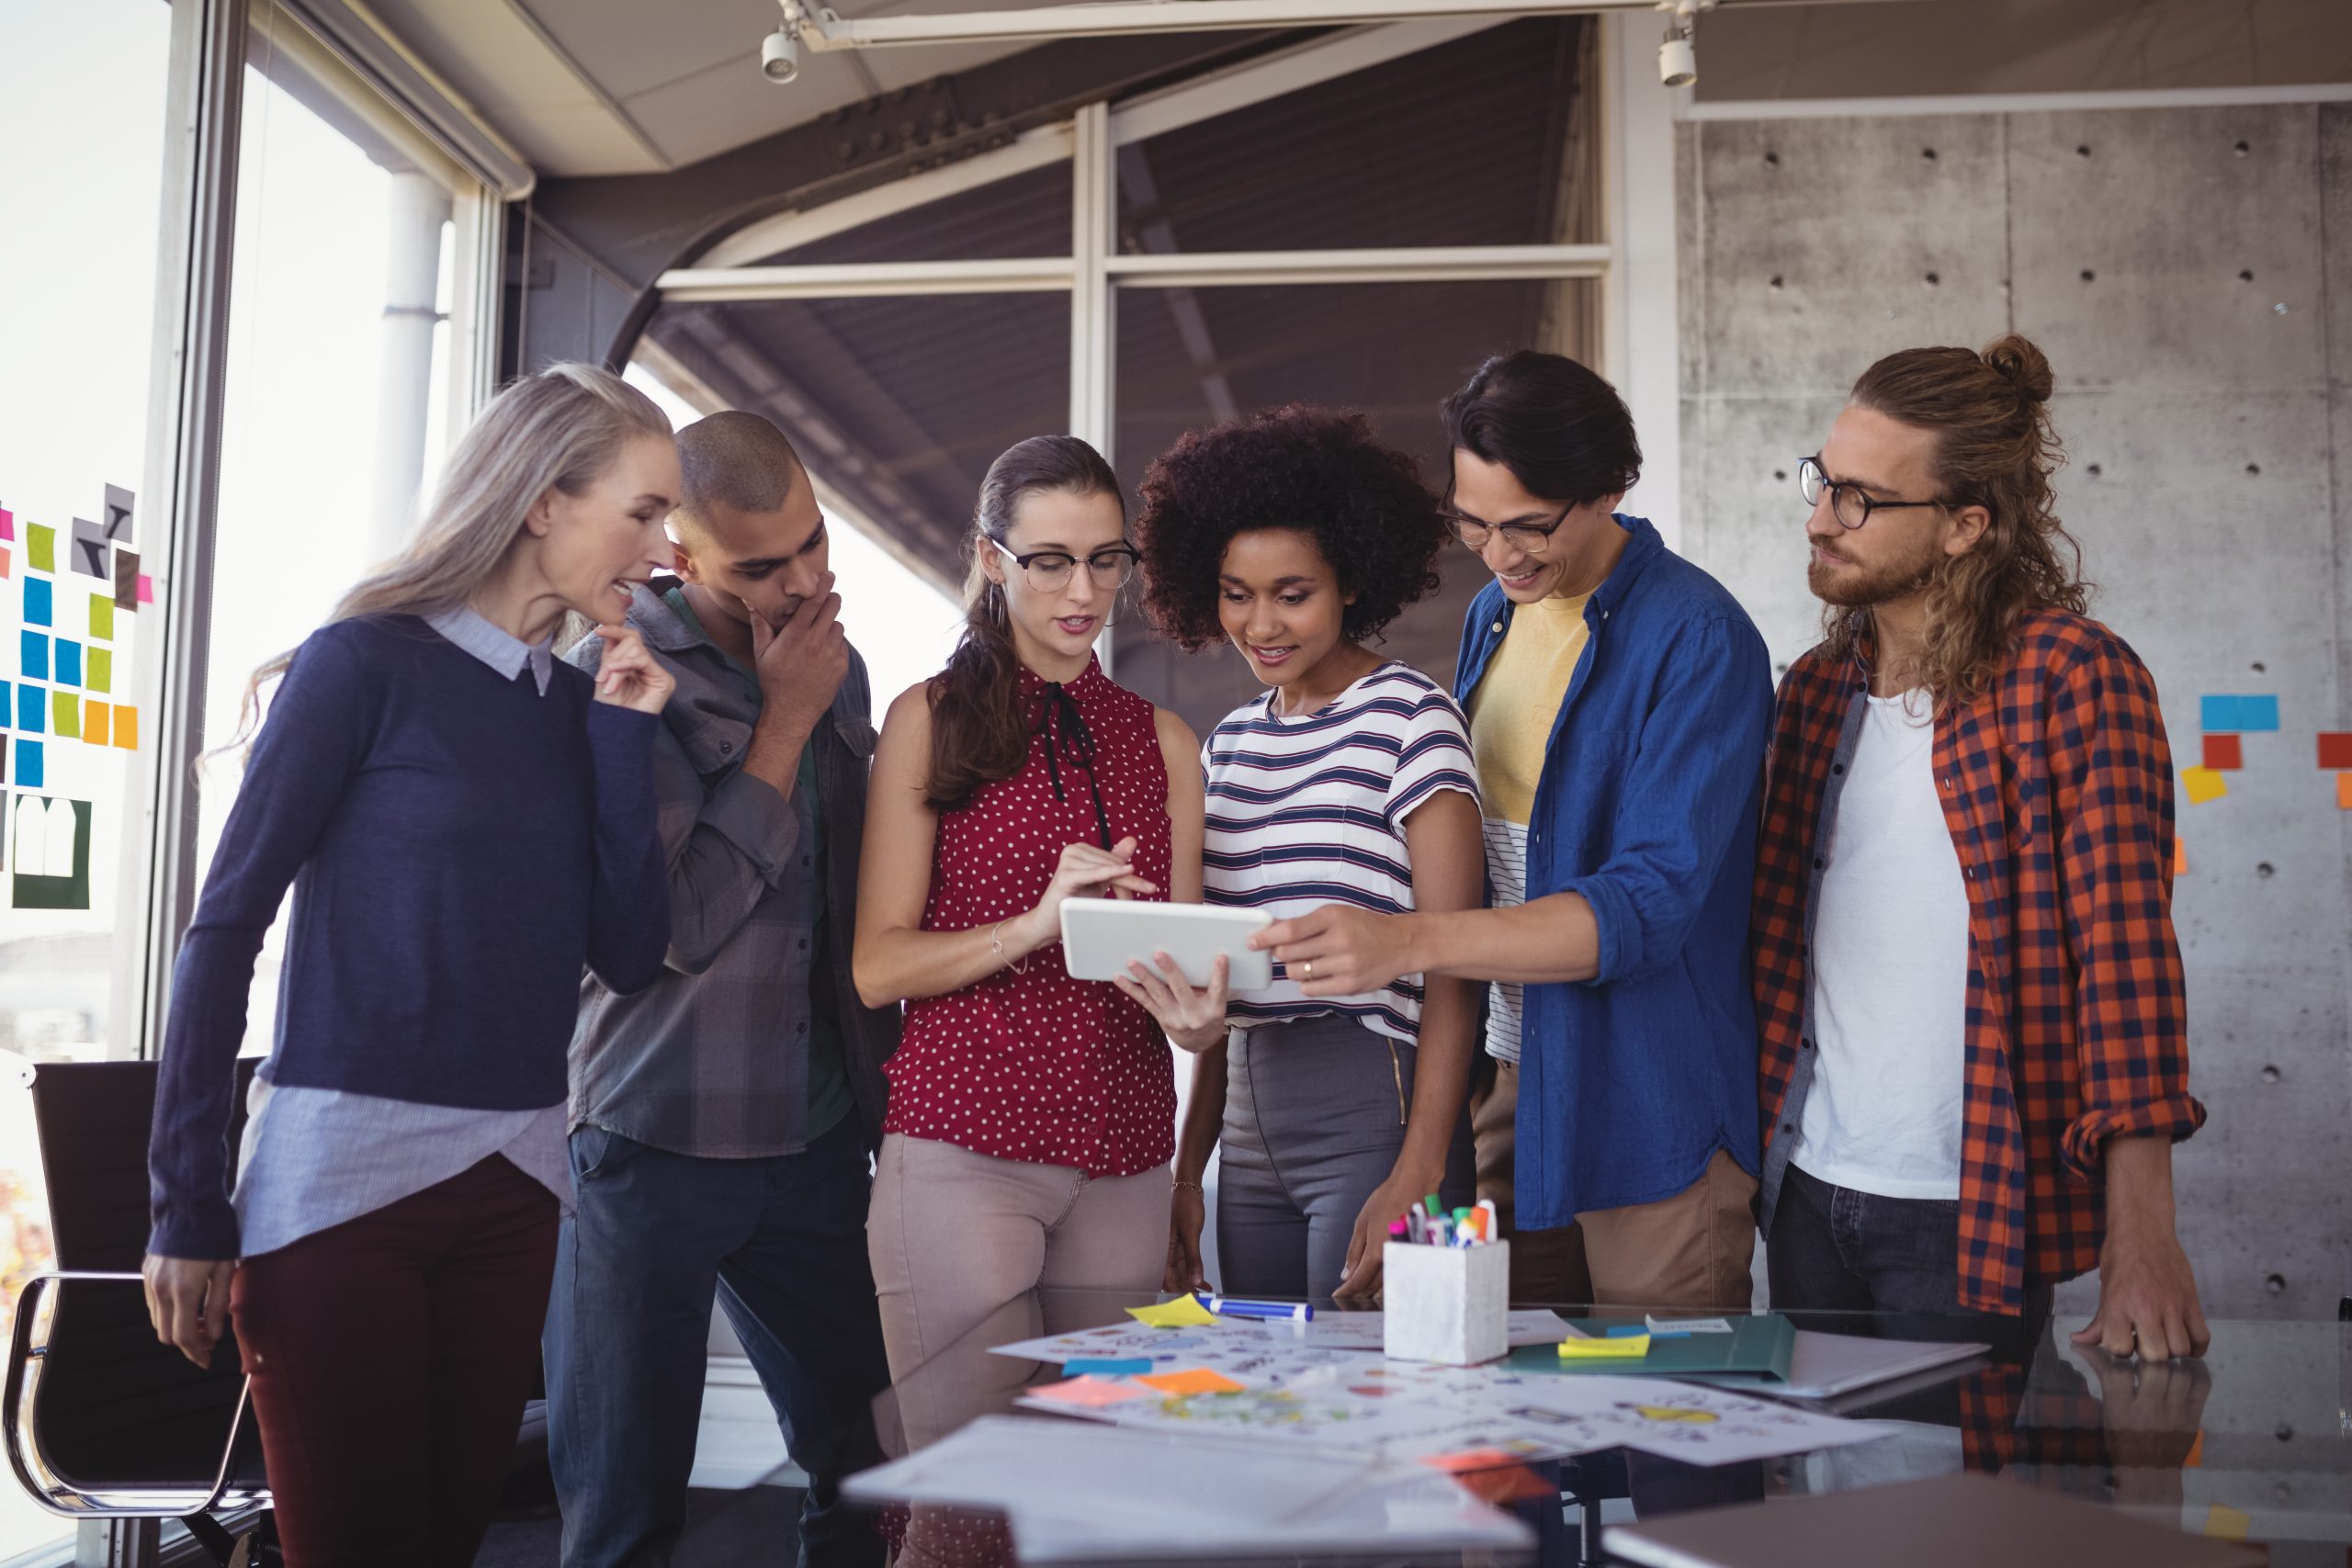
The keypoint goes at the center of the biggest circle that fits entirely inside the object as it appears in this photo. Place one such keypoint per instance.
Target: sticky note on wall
(41, 546)
(102, 616)
(99, 677)
(2344, 792)
(2224, 753)
(31, 772)
(65, 714)
(2335, 750)
(2203, 785)
(33, 655)
(2238, 715)
(96, 729)
(126, 728)
(39, 609)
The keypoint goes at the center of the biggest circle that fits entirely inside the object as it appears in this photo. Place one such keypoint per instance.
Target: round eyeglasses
(1527, 539)
(1048, 572)
(1847, 503)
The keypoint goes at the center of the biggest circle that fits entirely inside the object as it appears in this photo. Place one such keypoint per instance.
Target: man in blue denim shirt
(721, 1120)
(1624, 699)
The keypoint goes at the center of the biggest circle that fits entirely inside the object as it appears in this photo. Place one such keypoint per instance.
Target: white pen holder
(1447, 1305)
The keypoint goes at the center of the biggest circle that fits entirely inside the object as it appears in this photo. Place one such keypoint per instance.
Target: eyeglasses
(1527, 539)
(1847, 501)
(1048, 570)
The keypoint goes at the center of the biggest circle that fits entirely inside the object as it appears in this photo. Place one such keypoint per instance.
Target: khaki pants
(1692, 1250)
(971, 1251)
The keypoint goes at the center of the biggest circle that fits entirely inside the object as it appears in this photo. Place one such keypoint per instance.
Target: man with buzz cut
(722, 1121)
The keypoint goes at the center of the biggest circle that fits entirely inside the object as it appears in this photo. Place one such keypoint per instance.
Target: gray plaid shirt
(713, 1058)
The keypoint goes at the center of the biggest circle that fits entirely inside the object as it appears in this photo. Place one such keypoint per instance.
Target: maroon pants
(390, 1356)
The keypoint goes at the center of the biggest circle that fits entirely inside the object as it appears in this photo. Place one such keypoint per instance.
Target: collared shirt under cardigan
(2056, 785)
(712, 1060)
(405, 1052)
(1646, 807)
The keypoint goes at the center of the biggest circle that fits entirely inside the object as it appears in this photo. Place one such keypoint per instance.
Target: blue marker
(1224, 1306)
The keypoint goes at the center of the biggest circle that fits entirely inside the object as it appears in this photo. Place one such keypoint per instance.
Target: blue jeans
(1833, 1248)
(780, 1242)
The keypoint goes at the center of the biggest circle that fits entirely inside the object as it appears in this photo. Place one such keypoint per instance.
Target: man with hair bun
(1975, 1027)
(722, 1121)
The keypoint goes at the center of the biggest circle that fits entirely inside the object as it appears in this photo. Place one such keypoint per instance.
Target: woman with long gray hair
(466, 821)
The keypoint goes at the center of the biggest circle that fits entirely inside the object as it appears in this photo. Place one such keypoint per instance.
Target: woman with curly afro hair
(1296, 537)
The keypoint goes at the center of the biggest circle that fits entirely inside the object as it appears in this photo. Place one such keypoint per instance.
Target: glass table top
(2253, 1441)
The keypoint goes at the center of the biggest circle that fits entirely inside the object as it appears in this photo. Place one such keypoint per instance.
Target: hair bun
(2016, 361)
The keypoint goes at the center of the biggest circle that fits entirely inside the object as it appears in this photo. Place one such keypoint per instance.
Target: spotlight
(1678, 57)
(780, 56)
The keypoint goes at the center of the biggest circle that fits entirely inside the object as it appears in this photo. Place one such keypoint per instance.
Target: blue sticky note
(69, 663)
(36, 656)
(1106, 1365)
(1627, 1330)
(8, 707)
(38, 610)
(30, 772)
(32, 709)
(2237, 714)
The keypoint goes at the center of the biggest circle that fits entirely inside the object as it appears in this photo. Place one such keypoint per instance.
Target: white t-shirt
(1890, 973)
(1309, 811)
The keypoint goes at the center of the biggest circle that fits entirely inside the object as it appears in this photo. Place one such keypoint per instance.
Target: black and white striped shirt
(1309, 812)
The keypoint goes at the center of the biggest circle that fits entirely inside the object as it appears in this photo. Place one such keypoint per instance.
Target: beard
(1857, 587)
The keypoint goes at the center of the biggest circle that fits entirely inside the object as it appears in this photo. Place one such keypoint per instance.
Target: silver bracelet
(996, 945)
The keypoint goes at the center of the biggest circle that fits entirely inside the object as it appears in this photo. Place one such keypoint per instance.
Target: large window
(78, 269)
(339, 387)
(1357, 221)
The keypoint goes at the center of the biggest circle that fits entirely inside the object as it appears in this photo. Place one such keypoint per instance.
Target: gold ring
(1306, 970)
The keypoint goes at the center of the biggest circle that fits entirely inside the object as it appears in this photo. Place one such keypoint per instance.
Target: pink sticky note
(7, 524)
(146, 589)
(1087, 1392)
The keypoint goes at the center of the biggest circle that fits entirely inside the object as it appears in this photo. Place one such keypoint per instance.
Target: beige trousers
(1690, 1250)
(970, 1251)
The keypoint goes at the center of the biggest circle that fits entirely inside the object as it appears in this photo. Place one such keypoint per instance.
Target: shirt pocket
(856, 736)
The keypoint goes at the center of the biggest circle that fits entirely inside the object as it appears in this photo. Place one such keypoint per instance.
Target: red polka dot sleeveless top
(1035, 1066)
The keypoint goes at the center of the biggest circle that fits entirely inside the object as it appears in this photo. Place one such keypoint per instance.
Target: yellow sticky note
(1612, 1347)
(125, 729)
(2203, 785)
(1194, 1380)
(98, 669)
(2226, 1523)
(66, 715)
(102, 615)
(41, 546)
(1185, 1312)
(95, 728)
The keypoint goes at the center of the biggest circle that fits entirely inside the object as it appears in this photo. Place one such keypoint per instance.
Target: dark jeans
(1833, 1248)
(780, 1242)
(390, 1356)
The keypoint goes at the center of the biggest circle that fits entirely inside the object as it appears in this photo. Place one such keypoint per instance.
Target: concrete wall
(2189, 272)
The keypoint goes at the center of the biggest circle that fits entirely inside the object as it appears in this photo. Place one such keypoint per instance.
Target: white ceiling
(637, 86)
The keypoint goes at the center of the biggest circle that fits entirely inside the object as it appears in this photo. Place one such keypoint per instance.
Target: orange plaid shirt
(2057, 787)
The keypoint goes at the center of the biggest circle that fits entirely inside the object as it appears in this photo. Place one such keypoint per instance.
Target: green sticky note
(65, 714)
(102, 615)
(100, 675)
(41, 546)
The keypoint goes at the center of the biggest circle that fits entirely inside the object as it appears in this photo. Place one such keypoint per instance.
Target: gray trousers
(1315, 1113)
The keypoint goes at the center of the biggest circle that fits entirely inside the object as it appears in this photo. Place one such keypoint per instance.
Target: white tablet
(1101, 936)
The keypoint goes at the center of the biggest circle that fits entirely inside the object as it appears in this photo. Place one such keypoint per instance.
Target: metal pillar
(419, 208)
(1092, 323)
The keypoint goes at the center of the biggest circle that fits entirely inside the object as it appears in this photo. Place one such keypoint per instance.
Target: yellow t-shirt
(1512, 709)
(1511, 725)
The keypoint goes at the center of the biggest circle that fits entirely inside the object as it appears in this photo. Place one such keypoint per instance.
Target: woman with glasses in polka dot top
(1032, 1116)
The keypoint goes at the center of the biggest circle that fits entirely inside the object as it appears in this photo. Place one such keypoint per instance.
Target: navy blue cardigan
(459, 846)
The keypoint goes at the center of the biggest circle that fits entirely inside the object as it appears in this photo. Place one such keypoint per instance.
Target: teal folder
(1758, 1350)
